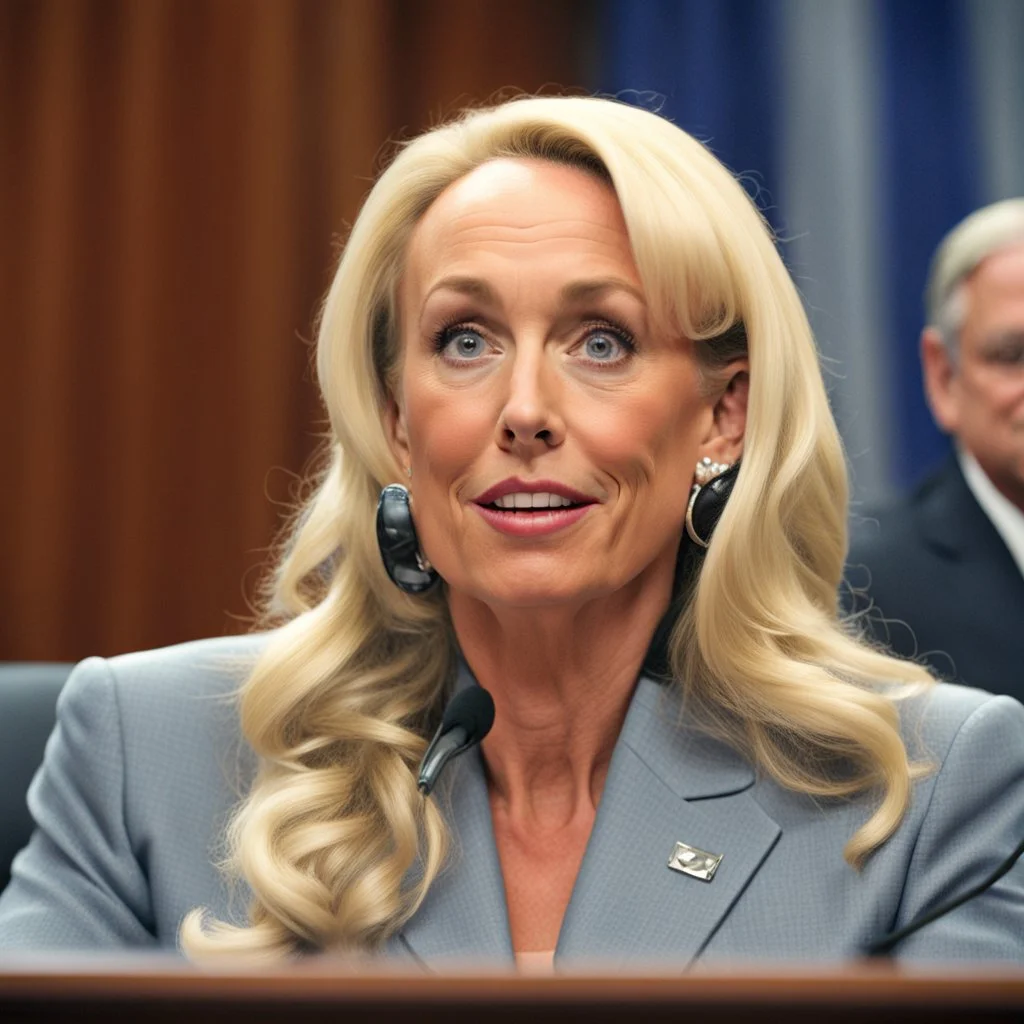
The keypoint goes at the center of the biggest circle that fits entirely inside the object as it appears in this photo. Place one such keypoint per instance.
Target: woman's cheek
(456, 438)
(444, 425)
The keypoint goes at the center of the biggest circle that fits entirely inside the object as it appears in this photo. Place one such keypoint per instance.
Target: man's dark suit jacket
(944, 587)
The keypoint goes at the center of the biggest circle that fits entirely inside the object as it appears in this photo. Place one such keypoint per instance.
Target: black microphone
(467, 720)
(883, 945)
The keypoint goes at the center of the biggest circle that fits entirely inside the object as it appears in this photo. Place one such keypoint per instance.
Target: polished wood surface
(157, 990)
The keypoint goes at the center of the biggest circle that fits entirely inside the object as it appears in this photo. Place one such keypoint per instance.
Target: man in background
(944, 567)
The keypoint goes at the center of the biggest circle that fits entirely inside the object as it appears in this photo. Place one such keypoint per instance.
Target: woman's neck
(561, 679)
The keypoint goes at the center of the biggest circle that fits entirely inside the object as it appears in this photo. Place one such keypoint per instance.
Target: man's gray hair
(977, 236)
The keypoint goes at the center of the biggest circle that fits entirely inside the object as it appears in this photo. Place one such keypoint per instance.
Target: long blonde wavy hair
(334, 840)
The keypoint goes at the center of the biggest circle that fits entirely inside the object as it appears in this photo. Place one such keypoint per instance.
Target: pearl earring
(708, 469)
(708, 497)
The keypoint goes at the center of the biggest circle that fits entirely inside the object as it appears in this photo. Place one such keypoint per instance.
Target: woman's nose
(530, 421)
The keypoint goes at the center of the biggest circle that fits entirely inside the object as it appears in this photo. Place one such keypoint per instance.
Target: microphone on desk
(885, 944)
(466, 721)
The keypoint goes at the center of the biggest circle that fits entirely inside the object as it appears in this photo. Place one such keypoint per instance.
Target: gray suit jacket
(146, 763)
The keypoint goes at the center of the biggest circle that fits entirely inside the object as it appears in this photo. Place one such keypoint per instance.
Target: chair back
(28, 699)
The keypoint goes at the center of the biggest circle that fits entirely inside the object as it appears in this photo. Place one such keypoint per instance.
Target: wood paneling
(174, 181)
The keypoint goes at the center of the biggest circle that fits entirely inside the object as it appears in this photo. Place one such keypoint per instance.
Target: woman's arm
(974, 819)
(78, 884)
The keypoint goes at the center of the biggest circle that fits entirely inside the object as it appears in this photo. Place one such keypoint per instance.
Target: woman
(553, 320)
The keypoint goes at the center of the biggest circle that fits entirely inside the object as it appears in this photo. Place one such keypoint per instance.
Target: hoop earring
(715, 481)
(399, 546)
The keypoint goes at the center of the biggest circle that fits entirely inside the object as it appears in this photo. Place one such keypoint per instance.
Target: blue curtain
(933, 178)
(865, 129)
(682, 57)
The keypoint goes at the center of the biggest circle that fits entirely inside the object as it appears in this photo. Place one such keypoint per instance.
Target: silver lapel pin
(697, 863)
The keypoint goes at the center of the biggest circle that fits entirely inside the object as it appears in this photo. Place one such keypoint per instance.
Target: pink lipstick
(532, 508)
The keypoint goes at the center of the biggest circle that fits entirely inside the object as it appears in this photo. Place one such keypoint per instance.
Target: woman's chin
(521, 592)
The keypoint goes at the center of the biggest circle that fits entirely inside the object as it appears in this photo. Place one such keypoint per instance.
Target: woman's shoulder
(146, 763)
(200, 667)
(157, 720)
(185, 683)
(947, 715)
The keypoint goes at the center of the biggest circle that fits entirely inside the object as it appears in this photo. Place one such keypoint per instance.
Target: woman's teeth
(529, 501)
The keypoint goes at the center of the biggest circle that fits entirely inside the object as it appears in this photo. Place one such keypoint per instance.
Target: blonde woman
(556, 323)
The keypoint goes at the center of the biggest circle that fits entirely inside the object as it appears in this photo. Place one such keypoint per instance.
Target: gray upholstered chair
(28, 697)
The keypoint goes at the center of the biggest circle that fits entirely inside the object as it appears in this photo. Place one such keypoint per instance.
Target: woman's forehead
(520, 208)
(494, 180)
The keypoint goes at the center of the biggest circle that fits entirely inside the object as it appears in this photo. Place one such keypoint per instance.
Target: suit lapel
(464, 918)
(666, 784)
(942, 509)
(955, 525)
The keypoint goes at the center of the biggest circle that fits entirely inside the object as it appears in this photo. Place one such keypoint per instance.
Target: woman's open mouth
(532, 502)
(513, 509)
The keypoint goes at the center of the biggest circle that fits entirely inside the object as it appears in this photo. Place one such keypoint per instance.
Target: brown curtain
(174, 180)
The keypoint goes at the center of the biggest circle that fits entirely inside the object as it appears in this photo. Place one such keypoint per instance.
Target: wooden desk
(154, 991)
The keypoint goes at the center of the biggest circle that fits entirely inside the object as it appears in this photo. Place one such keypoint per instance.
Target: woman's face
(551, 432)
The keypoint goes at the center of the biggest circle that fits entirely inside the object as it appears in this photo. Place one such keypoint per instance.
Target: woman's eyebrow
(586, 291)
(574, 292)
(474, 287)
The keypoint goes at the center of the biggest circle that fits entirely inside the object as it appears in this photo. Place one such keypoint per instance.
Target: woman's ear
(397, 433)
(724, 440)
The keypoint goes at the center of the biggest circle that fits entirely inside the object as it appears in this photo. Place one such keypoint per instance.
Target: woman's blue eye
(462, 343)
(603, 347)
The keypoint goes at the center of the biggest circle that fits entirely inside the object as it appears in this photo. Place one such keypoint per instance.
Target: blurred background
(176, 177)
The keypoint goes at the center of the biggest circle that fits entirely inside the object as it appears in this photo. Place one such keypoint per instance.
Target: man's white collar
(1005, 516)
